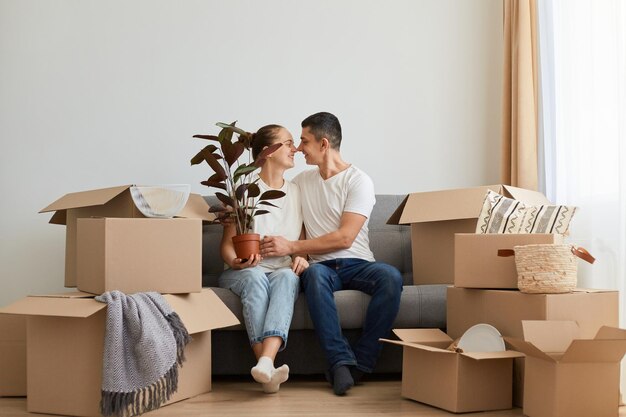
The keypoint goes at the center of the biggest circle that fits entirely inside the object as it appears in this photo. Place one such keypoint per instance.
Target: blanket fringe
(180, 334)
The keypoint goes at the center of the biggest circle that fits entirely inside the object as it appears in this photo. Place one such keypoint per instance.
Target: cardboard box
(570, 376)
(476, 260)
(12, 356)
(65, 344)
(505, 310)
(135, 255)
(105, 202)
(437, 215)
(457, 382)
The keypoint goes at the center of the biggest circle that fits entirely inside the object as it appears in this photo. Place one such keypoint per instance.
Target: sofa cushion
(420, 306)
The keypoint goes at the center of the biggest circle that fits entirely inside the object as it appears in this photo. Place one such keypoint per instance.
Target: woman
(268, 287)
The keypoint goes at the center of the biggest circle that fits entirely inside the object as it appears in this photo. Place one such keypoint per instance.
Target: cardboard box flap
(59, 217)
(534, 198)
(201, 311)
(463, 203)
(612, 333)
(196, 208)
(528, 349)
(550, 336)
(395, 217)
(85, 198)
(68, 294)
(507, 354)
(54, 306)
(417, 346)
(433, 337)
(595, 351)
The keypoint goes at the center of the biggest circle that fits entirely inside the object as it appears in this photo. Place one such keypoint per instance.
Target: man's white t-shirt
(284, 220)
(325, 201)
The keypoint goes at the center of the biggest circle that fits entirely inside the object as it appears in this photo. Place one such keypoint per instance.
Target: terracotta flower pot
(247, 244)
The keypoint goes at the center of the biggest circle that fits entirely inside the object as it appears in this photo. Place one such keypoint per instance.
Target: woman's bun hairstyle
(263, 137)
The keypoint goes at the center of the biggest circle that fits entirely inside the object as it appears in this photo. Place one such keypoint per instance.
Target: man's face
(310, 147)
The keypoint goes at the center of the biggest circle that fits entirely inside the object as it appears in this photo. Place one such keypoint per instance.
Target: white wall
(96, 94)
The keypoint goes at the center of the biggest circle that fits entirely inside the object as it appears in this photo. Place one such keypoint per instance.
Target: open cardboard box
(505, 310)
(65, 336)
(106, 202)
(437, 215)
(476, 260)
(570, 376)
(136, 255)
(457, 382)
(12, 356)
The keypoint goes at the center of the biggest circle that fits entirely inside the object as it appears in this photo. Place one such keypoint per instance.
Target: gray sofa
(420, 306)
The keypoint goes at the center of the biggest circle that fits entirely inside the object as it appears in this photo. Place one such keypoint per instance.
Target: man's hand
(276, 246)
(299, 264)
(253, 260)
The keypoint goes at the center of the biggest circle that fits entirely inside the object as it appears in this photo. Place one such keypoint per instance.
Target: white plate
(482, 338)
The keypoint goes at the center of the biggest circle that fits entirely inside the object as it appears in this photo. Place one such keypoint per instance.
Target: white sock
(262, 372)
(279, 375)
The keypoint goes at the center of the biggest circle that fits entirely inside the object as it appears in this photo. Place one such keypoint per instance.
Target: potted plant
(240, 196)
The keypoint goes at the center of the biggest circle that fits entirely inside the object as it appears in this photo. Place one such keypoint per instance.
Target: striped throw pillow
(500, 214)
(548, 219)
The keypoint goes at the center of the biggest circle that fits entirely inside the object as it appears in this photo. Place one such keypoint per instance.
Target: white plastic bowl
(164, 201)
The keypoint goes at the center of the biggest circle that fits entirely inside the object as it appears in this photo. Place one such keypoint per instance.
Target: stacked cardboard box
(446, 250)
(110, 245)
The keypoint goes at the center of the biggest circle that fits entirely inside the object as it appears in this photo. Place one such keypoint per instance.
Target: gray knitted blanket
(143, 346)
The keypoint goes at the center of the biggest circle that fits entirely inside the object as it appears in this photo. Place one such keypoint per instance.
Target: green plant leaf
(200, 155)
(260, 212)
(207, 137)
(243, 169)
(217, 177)
(225, 199)
(215, 184)
(240, 191)
(232, 128)
(260, 160)
(254, 190)
(232, 152)
(267, 203)
(217, 208)
(271, 195)
(213, 163)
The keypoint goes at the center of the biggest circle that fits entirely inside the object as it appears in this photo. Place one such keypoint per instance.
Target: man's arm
(349, 227)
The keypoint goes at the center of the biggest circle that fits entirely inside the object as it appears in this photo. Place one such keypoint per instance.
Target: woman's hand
(252, 261)
(299, 264)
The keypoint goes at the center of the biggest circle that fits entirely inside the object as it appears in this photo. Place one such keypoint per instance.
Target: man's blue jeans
(381, 281)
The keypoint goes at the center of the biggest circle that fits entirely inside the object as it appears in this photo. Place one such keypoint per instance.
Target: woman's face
(284, 156)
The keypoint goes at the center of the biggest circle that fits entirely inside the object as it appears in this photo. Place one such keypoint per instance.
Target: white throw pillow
(501, 214)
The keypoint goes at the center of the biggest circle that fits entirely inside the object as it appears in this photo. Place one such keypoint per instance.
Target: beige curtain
(519, 104)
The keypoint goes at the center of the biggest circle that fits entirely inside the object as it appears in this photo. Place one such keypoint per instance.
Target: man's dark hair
(324, 125)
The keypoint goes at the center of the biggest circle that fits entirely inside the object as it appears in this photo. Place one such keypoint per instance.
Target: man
(337, 199)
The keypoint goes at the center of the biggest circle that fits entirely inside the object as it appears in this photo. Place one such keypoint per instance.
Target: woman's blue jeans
(381, 281)
(267, 300)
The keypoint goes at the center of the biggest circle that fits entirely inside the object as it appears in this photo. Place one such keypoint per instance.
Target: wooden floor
(299, 397)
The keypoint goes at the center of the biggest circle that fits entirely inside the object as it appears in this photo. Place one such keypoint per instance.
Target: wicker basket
(548, 268)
